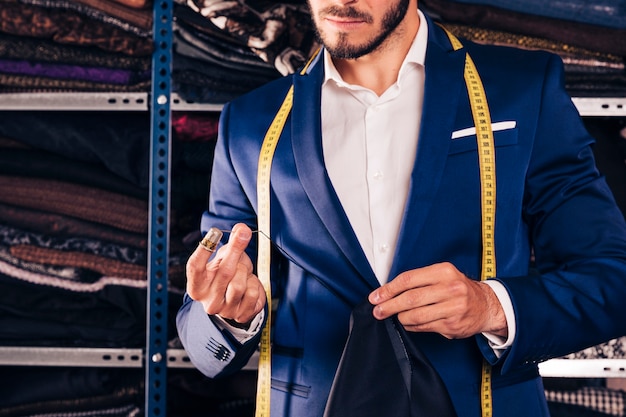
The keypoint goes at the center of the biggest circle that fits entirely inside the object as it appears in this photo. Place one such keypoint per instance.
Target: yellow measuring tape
(486, 152)
(264, 381)
(487, 166)
(264, 249)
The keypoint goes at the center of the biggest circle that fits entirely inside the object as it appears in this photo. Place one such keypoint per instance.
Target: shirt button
(378, 175)
(384, 248)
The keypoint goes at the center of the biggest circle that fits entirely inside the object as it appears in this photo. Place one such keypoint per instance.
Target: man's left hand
(439, 298)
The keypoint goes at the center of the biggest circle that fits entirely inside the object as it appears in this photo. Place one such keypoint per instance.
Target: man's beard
(344, 50)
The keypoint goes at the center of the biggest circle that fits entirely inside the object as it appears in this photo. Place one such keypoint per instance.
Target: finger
(232, 253)
(438, 319)
(425, 317)
(235, 293)
(409, 300)
(223, 269)
(245, 299)
(196, 266)
(402, 283)
(207, 246)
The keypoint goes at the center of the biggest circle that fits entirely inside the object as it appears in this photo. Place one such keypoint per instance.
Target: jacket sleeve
(575, 296)
(213, 351)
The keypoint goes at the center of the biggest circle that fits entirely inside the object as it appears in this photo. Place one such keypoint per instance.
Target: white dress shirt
(369, 145)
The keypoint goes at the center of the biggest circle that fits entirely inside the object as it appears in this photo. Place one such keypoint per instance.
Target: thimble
(210, 241)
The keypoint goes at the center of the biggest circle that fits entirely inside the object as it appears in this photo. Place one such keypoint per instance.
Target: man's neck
(379, 69)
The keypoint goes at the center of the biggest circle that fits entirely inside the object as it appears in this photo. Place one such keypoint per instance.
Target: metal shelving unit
(155, 358)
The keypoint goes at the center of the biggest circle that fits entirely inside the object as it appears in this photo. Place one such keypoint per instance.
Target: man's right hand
(225, 285)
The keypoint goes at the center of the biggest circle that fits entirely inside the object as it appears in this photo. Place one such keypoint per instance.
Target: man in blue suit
(376, 194)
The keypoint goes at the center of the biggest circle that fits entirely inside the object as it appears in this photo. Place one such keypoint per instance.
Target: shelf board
(178, 103)
(584, 368)
(66, 356)
(177, 358)
(80, 101)
(93, 357)
(587, 106)
(74, 101)
(596, 106)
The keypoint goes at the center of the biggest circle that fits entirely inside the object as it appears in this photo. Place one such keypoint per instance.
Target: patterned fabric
(594, 37)
(27, 272)
(45, 50)
(570, 54)
(82, 202)
(76, 258)
(611, 402)
(138, 21)
(587, 72)
(15, 238)
(64, 273)
(92, 262)
(10, 83)
(66, 26)
(613, 349)
(96, 75)
(279, 33)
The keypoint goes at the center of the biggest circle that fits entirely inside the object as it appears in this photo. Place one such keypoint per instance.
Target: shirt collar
(416, 54)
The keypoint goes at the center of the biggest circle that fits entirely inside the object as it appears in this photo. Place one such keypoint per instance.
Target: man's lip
(343, 22)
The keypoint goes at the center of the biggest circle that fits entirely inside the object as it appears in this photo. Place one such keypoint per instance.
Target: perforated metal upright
(159, 208)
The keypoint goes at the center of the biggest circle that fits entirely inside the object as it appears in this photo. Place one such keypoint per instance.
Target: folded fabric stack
(590, 36)
(55, 391)
(74, 216)
(74, 243)
(72, 274)
(75, 45)
(224, 48)
(72, 234)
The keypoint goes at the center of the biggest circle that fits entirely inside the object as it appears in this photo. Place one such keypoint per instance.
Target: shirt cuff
(241, 335)
(499, 343)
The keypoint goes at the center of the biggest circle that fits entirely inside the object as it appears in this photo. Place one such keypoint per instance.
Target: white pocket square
(510, 124)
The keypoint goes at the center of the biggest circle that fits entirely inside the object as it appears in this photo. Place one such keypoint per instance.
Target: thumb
(239, 238)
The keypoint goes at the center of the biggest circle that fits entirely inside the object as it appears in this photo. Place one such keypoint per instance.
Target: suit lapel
(444, 85)
(307, 149)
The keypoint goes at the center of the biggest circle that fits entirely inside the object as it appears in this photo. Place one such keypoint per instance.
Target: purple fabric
(73, 72)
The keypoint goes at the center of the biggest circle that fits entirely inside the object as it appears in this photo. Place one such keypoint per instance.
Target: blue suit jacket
(549, 197)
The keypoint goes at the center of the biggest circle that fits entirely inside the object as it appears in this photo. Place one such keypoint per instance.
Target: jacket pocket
(286, 370)
(467, 143)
